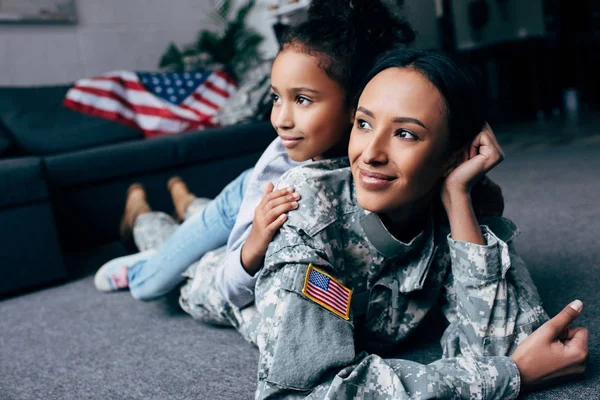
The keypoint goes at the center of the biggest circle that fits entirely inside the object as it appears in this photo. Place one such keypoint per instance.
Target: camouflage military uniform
(308, 351)
(201, 298)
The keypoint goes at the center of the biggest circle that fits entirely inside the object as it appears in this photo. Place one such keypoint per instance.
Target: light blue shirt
(236, 285)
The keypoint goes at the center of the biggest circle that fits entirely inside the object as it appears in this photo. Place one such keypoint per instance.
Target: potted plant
(233, 46)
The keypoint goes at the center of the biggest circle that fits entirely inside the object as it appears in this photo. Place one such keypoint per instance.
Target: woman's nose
(376, 152)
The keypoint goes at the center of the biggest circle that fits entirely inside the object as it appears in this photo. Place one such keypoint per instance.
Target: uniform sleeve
(307, 351)
(490, 300)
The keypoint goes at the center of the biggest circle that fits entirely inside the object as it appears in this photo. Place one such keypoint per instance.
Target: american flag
(155, 103)
(327, 292)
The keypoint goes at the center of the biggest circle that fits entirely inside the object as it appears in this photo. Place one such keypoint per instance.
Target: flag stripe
(322, 297)
(333, 286)
(335, 298)
(319, 295)
(341, 301)
(217, 89)
(159, 106)
(114, 115)
(131, 98)
(89, 95)
(226, 78)
(148, 122)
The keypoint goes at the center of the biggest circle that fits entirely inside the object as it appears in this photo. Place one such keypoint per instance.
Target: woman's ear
(455, 159)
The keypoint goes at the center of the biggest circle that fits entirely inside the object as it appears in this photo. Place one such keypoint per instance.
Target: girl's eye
(303, 100)
(404, 134)
(362, 124)
(275, 98)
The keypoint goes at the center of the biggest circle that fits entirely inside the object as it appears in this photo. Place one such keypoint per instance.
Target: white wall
(110, 34)
(259, 20)
(132, 34)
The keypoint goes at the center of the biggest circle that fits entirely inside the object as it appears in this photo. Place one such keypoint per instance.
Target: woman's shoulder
(317, 174)
(326, 191)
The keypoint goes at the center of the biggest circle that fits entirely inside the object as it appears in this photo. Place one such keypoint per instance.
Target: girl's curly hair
(347, 36)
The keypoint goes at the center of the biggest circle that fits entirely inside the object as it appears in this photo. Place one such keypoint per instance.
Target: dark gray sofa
(63, 177)
(59, 214)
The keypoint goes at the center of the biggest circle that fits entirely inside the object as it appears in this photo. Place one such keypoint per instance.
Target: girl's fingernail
(295, 204)
(576, 305)
(296, 195)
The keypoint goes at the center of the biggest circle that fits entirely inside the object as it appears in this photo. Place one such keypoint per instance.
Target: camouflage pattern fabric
(151, 230)
(203, 301)
(308, 351)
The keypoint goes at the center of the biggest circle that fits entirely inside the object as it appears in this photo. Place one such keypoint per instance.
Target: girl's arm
(237, 277)
(269, 215)
(234, 281)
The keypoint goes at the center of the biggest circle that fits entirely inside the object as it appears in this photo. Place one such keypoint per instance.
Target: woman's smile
(373, 180)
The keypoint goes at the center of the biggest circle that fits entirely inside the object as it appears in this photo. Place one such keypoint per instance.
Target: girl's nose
(285, 118)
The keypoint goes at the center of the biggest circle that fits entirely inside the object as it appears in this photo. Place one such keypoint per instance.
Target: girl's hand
(554, 351)
(269, 215)
(483, 155)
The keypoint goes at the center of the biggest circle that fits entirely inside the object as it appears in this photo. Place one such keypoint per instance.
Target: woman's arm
(307, 351)
(490, 299)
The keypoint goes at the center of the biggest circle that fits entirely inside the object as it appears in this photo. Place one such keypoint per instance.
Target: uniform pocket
(383, 314)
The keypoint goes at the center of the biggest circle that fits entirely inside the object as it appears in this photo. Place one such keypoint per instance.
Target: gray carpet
(71, 342)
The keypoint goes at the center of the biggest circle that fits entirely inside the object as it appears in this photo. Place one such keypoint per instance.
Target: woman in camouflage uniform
(381, 238)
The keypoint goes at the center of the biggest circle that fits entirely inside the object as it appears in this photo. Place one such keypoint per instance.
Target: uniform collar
(413, 259)
(384, 241)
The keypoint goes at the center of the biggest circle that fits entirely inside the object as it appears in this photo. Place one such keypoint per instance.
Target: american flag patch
(326, 291)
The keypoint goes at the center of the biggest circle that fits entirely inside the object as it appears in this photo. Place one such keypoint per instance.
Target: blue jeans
(207, 230)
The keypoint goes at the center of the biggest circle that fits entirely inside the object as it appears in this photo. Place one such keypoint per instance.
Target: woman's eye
(275, 98)
(303, 100)
(362, 124)
(404, 134)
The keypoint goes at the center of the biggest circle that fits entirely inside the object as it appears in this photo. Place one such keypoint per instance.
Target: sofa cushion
(21, 181)
(155, 154)
(6, 143)
(40, 124)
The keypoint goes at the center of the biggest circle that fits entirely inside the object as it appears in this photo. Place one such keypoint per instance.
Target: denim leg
(204, 231)
(197, 205)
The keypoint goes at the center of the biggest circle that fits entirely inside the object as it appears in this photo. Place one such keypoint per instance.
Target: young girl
(314, 80)
(382, 237)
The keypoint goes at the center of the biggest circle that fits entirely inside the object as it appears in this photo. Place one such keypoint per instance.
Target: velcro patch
(324, 290)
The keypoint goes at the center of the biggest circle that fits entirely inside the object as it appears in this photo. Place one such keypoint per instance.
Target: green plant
(233, 46)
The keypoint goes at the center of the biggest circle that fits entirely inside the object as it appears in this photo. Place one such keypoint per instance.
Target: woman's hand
(481, 157)
(555, 351)
(269, 215)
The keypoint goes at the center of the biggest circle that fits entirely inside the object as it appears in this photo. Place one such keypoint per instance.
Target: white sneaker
(112, 276)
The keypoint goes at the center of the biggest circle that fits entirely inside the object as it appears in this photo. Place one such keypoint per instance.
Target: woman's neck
(407, 222)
